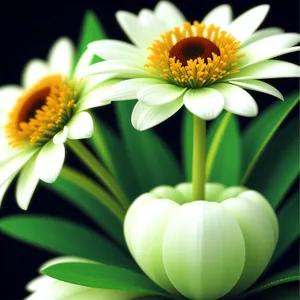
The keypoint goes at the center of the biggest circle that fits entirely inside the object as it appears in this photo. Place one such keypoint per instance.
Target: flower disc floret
(42, 111)
(194, 55)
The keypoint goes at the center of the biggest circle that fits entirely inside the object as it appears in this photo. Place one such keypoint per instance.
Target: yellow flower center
(194, 55)
(42, 111)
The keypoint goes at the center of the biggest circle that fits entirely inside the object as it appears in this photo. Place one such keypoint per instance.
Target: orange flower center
(42, 111)
(194, 55)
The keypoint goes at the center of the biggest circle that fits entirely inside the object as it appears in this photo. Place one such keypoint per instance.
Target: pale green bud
(202, 249)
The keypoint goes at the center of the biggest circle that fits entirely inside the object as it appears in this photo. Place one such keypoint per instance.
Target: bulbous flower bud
(202, 249)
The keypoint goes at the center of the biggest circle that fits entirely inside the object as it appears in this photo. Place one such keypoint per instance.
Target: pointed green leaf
(288, 218)
(109, 148)
(102, 276)
(261, 130)
(278, 167)
(153, 163)
(63, 237)
(287, 291)
(76, 188)
(224, 150)
(91, 30)
(289, 275)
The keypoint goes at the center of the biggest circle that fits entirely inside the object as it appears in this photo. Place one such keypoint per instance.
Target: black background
(27, 30)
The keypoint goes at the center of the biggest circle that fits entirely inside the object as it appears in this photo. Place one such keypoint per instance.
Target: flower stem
(95, 190)
(84, 154)
(199, 149)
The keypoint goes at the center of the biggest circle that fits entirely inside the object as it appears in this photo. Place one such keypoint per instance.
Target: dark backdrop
(27, 31)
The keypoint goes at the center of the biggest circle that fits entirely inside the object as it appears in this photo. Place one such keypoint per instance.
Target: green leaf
(109, 148)
(289, 275)
(102, 276)
(261, 130)
(287, 291)
(63, 237)
(288, 218)
(153, 162)
(76, 189)
(278, 167)
(224, 150)
(91, 30)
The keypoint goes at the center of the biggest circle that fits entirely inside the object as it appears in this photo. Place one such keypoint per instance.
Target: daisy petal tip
(61, 136)
(121, 15)
(23, 206)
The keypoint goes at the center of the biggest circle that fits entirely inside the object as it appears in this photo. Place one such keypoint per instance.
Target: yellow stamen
(199, 71)
(42, 111)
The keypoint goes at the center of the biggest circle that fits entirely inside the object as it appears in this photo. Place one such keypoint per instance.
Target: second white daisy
(38, 117)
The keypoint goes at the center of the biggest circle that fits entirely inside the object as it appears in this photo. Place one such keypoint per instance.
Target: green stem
(199, 149)
(95, 166)
(94, 189)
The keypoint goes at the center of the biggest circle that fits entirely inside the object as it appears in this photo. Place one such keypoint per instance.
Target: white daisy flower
(47, 288)
(205, 66)
(38, 117)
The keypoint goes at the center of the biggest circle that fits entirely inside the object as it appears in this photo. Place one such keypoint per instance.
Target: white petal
(114, 49)
(268, 48)
(4, 118)
(267, 69)
(12, 164)
(51, 289)
(9, 94)
(33, 72)
(265, 206)
(5, 186)
(203, 250)
(50, 161)
(26, 184)
(237, 100)
(137, 33)
(81, 126)
(144, 116)
(132, 214)
(205, 103)
(219, 16)
(5, 149)
(97, 96)
(258, 237)
(154, 25)
(121, 68)
(61, 57)
(261, 34)
(243, 26)
(91, 81)
(230, 192)
(169, 13)
(146, 238)
(160, 94)
(84, 61)
(39, 283)
(128, 89)
(61, 136)
(259, 86)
